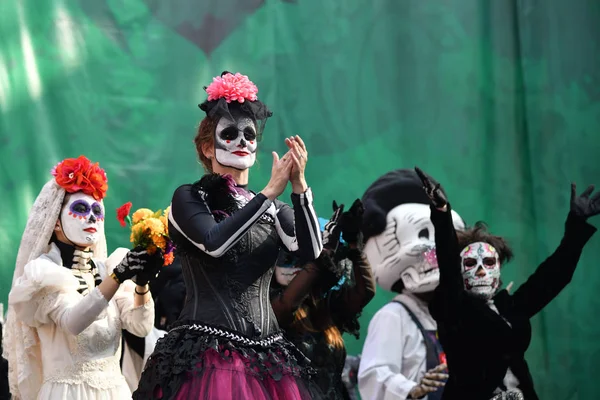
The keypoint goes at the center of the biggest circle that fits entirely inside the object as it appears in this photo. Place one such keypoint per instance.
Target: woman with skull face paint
(227, 343)
(65, 315)
(472, 314)
(317, 302)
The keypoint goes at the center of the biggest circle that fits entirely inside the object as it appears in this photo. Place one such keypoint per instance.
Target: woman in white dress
(65, 309)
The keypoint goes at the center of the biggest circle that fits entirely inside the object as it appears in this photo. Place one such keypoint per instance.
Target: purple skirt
(188, 364)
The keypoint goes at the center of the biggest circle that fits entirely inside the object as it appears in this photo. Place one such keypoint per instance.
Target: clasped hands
(289, 168)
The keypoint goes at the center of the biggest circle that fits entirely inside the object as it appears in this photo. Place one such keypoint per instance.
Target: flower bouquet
(149, 230)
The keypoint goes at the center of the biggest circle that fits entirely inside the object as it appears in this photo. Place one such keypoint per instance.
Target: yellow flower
(136, 232)
(165, 222)
(141, 215)
(167, 211)
(155, 226)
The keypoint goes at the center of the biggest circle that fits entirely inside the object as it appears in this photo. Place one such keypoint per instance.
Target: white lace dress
(84, 366)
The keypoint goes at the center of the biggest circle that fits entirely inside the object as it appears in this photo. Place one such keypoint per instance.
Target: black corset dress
(227, 241)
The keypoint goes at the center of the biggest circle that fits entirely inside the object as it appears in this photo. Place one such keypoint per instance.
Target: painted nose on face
(92, 219)
(480, 272)
(242, 143)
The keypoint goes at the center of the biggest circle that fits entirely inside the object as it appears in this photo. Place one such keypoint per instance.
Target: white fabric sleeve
(47, 293)
(380, 371)
(137, 320)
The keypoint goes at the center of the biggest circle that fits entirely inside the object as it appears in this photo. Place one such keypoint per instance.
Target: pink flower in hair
(232, 88)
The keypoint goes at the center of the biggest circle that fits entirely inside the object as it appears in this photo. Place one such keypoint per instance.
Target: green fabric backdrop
(498, 100)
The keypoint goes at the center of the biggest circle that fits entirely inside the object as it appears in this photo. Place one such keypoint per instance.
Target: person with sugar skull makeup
(472, 314)
(227, 343)
(316, 303)
(66, 309)
(401, 356)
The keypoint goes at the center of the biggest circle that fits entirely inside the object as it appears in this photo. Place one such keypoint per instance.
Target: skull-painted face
(285, 268)
(235, 142)
(480, 269)
(406, 249)
(82, 219)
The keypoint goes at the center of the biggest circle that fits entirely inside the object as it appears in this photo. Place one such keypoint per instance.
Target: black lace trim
(179, 355)
(241, 300)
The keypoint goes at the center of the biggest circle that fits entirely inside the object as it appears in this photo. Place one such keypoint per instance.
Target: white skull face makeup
(235, 142)
(82, 219)
(406, 249)
(480, 269)
(284, 275)
(285, 268)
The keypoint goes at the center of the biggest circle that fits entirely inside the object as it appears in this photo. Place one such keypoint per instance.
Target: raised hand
(432, 381)
(585, 206)
(299, 157)
(280, 175)
(435, 194)
(332, 231)
(135, 262)
(351, 222)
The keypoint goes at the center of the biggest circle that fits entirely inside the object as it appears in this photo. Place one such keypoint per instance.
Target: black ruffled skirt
(196, 361)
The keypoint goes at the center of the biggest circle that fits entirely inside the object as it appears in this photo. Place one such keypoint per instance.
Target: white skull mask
(406, 249)
(82, 219)
(285, 268)
(235, 142)
(480, 269)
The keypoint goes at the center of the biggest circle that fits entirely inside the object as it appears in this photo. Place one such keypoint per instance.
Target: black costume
(336, 304)
(466, 324)
(228, 239)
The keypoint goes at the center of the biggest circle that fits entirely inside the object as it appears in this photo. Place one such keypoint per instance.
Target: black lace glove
(435, 194)
(351, 222)
(585, 206)
(138, 262)
(333, 229)
(150, 270)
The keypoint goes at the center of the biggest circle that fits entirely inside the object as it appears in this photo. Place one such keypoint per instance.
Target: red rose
(98, 184)
(80, 175)
(123, 212)
(69, 173)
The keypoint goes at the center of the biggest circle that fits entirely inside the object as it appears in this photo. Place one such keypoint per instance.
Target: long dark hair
(314, 316)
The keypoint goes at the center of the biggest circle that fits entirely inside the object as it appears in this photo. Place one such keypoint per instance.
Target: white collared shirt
(394, 356)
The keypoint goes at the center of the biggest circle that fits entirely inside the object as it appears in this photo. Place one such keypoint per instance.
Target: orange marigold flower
(159, 241)
(169, 258)
(155, 226)
(141, 215)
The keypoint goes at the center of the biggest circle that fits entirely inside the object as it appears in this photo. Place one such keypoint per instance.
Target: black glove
(333, 230)
(351, 222)
(150, 270)
(585, 206)
(435, 194)
(138, 262)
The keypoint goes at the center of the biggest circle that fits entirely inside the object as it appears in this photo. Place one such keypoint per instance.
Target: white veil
(21, 346)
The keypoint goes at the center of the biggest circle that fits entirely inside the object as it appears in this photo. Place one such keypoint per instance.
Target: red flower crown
(81, 175)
